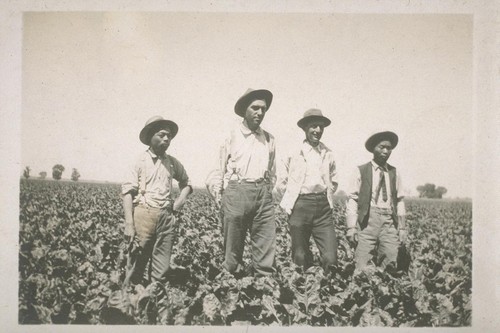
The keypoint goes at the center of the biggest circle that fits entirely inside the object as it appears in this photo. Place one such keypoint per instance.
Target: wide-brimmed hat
(249, 96)
(376, 138)
(313, 115)
(153, 122)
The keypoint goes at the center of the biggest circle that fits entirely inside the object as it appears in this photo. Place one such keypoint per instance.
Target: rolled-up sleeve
(401, 207)
(333, 172)
(352, 199)
(272, 164)
(282, 179)
(131, 183)
(215, 179)
(180, 175)
(224, 158)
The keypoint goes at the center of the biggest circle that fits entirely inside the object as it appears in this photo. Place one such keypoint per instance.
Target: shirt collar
(246, 131)
(376, 166)
(306, 148)
(154, 156)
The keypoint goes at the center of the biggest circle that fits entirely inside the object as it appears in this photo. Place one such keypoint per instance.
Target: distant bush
(430, 191)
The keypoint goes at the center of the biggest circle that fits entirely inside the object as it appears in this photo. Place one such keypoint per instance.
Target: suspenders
(143, 174)
(232, 153)
(142, 180)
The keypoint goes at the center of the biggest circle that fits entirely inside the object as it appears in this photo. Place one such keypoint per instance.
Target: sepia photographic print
(246, 167)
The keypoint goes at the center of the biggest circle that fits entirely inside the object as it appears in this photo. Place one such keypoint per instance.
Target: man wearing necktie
(247, 176)
(375, 207)
(305, 191)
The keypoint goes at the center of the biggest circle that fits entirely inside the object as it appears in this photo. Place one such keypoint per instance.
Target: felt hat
(249, 96)
(313, 114)
(376, 138)
(154, 122)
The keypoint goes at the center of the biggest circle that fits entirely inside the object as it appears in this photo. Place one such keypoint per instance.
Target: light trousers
(249, 207)
(154, 229)
(380, 232)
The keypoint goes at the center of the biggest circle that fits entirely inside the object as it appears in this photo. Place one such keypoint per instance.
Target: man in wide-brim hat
(252, 95)
(379, 137)
(148, 204)
(246, 175)
(155, 123)
(305, 189)
(375, 207)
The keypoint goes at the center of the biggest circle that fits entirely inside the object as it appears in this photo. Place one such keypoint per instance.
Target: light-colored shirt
(313, 180)
(248, 155)
(355, 185)
(293, 174)
(150, 180)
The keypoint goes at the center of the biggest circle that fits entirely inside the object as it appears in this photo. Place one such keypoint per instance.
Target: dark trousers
(248, 206)
(154, 229)
(312, 215)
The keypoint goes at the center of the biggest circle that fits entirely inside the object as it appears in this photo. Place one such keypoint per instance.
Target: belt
(169, 206)
(318, 194)
(250, 181)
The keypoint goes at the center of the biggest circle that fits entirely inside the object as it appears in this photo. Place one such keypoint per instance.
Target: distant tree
(75, 175)
(440, 191)
(430, 191)
(26, 172)
(43, 174)
(57, 171)
(425, 191)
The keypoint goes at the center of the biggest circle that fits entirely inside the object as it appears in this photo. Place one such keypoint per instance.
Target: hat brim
(376, 138)
(302, 123)
(144, 135)
(245, 100)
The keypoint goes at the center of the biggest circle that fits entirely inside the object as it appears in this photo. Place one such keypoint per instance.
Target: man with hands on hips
(150, 212)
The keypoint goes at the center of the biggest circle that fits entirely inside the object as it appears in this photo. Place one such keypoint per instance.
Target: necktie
(381, 185)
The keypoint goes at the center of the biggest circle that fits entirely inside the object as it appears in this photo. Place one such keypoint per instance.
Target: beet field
(72, 262)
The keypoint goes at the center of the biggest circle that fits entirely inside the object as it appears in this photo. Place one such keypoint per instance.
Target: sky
(90, 80)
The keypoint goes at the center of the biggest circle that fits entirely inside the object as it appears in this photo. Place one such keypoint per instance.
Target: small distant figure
(375, 207)
(150, 211)
(246, 177)
(305, 192)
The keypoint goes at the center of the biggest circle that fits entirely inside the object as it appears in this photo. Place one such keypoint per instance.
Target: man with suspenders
(148, 204)
(248, 174)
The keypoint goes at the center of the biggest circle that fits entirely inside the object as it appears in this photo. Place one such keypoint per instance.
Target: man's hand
(352, 236)
(218, 200)
(178, 204)
(128, 239)
(128, 208)
(403, 236)
(133, 245)
(129, 229)
(181, 199)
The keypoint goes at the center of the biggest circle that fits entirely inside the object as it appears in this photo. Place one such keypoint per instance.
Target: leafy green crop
(72, 262)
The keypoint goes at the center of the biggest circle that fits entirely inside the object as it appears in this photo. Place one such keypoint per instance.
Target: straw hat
(153, 122)
(249, 96)
(311, 115)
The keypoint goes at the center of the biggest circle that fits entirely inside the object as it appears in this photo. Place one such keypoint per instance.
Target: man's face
(161, 140)
(382, 151)
(314, 132)
(255, 113)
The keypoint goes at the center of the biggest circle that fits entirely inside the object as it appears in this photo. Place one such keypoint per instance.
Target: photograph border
(486, 73)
